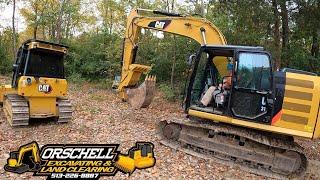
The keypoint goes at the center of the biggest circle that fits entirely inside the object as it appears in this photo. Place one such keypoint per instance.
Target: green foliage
(167, 91)
(96, 57)
(5, 63)
(75, 78)
(6, 52)
(160, 53)
(104, 84)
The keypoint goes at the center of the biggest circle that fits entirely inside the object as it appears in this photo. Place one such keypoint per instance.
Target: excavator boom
(198, 29)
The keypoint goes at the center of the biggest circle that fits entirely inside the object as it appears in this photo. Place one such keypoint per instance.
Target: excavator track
(275, 156)
(65, 110)
(16, 110)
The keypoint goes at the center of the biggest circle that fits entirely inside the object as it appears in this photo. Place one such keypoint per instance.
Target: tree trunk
(111, 22)
(277, 54)
(35, 29)
(59, 22)
(14, 30)
(67, 33)
(285, 31)
(105, 20)
(315, 44)
(172, 6)
(174, 62)
(44, 32)
(53, 32)
(202, 8)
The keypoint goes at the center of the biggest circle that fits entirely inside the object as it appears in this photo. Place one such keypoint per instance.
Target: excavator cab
(249, 95)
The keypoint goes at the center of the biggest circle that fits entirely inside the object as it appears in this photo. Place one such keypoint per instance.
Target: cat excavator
(251, 124)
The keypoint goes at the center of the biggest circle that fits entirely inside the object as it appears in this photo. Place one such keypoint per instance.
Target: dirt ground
(100, 117)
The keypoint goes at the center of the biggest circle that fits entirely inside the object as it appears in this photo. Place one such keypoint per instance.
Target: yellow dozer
(39, 87)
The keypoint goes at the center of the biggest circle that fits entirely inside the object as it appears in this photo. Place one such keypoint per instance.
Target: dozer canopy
(39, 59)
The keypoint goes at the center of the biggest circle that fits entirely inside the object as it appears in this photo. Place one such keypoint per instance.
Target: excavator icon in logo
(139, 157)
(26, 159)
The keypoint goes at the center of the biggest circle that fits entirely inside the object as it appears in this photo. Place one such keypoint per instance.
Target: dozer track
(65, 110)
(275, 156)
(16, 110)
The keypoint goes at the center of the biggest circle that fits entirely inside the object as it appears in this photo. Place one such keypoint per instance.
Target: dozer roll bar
(198, 29)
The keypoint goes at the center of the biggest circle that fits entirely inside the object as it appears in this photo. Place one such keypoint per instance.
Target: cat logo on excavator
(160, 24)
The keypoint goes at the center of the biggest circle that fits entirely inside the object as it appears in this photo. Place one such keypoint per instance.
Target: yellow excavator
(253, 122)
(26, 159)
(39, 87)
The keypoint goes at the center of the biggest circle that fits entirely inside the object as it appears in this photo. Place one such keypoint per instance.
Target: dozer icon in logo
(83, 161)
(139, 157)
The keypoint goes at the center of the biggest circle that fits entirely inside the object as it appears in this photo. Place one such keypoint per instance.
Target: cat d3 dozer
(251, 122)
(39, 87)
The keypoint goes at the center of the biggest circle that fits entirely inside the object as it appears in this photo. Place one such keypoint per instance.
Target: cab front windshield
(254, 71)
(45, 64)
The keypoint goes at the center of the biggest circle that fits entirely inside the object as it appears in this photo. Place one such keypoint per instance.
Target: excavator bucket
(142, 96)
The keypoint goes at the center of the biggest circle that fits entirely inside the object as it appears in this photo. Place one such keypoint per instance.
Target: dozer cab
(252, 121)
(39, 87)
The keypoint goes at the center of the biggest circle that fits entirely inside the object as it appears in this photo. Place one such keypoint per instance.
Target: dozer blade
(142, 96)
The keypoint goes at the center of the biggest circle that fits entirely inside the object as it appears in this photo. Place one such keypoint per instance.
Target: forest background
(94, 31)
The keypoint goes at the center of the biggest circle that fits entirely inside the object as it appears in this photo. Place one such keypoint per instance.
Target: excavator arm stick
(198, 29)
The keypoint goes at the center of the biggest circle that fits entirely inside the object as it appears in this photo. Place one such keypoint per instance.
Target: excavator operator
(220, 93)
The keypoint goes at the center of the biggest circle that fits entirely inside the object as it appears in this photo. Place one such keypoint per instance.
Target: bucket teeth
(142, 96)
(150, 78)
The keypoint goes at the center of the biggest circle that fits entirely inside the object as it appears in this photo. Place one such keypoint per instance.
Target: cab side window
(254, 71)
